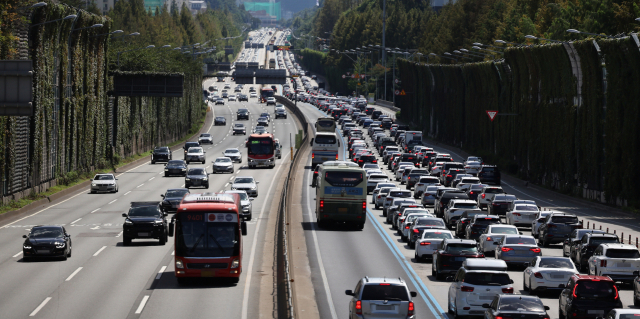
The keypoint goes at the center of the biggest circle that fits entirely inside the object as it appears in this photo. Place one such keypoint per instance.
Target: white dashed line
(127, 193)
(139, 186)
(160, 272)
(173, 253)
(152, 178)
(99, 251)
(230, 178)
(227, 184)
(73, 274)
(182, 185)
(94, 228)
(40, 307)
(142, 303)
(113, 201)
(119, 234)
(95, 210)
(75, 221)
(18, 254)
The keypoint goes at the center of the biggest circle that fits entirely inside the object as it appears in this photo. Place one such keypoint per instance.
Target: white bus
(324, 147)
(341, 194)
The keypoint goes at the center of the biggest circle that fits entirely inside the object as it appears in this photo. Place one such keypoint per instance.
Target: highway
(104, 279)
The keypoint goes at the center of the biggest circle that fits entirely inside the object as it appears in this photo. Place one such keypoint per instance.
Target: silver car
(205, 138)
(195, 154)
(104, 183)
(234, 154)
(247, 184)
(517, 249)
(222, 164)
(245, 202)
(381, 297)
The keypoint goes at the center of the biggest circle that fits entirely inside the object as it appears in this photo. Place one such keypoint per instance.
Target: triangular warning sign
(492, 114)
(403, 92)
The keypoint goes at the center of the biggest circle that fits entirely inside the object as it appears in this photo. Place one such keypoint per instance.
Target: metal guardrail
(284, 305)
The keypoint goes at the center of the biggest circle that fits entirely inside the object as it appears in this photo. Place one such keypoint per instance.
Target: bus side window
(311, 143)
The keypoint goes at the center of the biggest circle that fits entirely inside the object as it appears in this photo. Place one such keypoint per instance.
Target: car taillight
(449, 176)
(616, 288)
(359, 307)
(516, 214)
(488, 238)
(415, 231)
(425, 243)
(483, 196)
(406, 227)
(603, 263)
(506, 249)
(399, 214)
(466, 288)
(374, 161)
(321, 205)
(574, 291)
(411, 308)
(507, 290)
(537, 275)
(313, 155)
(535, 250)
(379, 196)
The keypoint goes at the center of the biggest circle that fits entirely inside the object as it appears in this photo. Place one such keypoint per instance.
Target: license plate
(385, 307)
(343, 210)
(595, 312)
(624, 265)
(40, 251)
(486, 297)
(459, 258)
(174, 205)
(207, 273)
(324, 159)
(521, 252)
(143, 234)
(557, 276)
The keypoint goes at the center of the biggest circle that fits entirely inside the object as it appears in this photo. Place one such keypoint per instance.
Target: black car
(499, 204)
(450, 255)
(376, 114)
(225, 95)
(265, 114)
(515, 306)
(489, 174)
(556, 227)
(262, 121)
(588, 297)
(243, 97)
(444, 199)
(145, 220)
(196, 177)
(584, 249)
(242, 114)
(187, 145)
(239, 129)
(364, 159)
(220, 120)
(477, 226)
(161, 154)
(171, 199)
(175, 167)
(237, 89)
(46, 241)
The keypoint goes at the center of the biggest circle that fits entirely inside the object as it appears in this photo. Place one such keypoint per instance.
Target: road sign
(397, 92)
(294, 76)
(397, 81)
(403, 92)
(362, 76)
(492, 114)
(344, 76)
(353, 76)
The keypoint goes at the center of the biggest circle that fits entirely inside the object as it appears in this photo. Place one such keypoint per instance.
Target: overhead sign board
(148, 85)
(16, 88)
(282, 47)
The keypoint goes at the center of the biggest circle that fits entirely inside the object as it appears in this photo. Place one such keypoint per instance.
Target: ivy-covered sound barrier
(564, 128)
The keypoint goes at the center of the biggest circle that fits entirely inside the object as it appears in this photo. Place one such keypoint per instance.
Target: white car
(423, 183)
(195, 154)
(376, 191)
(473, 159)
(271, 100)
(410, 215)
(374, 179)
(382, 195)
(618, 261)
(247, 184)
(538, 221)
(547, 273)
(471, 289)
(466, 182)
(522, 215)
(472, 167)
(222, 164)
(253, 95)
(401, 169)
(455, 208)
(429, 242)
(205, 138)
(104, 183)
(492, 234)
(369, 166)
(232, 98)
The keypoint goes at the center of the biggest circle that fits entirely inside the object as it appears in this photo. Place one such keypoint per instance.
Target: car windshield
(103, 177)
(171, 163)
(486, 221)
(161, 149)
(623, 253)
(223, 160)
(144, 211)
(400, 194)
(437, 235)
(243, 180)
(521, 304)
(556, 263)
(527, 208)
(466, 205)
(519, 241)
(243, 195)
(429, 222)
(493, 191)
(564, 219)
(196, 171)
(385, 292)
(205, 135)
(595, 241)
(239, 125)
(487, 279)
(462, 248)
(176, 193)
(595, 290)
(504, 230)
(46, 232)
(195, 150)
(232, 151)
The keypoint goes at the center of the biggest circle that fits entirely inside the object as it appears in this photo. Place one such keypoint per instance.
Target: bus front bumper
(207, 267)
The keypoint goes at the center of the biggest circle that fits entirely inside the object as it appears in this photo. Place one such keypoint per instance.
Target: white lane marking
(35, 312)
(127, 193)
(99, 251)
(247, 283)
(227, 184)
(323, 274)
(160, 173)
(182, 185)
(42, 210)
(139, 185)
(113, 201)
(119, 234)
(94, 228)
(95, 210)
(152, 178)
(73, 274)
(142, 303)
(16, 255)
(160, 272)
(230, 178)
(75, 221)
(207, 166)
(173, 253)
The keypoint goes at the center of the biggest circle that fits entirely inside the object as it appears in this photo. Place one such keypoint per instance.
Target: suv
(281, 112)
(620, 262)
(388, 297)
(243, 97)
(556, 227)
(450, 255)
(486, 194)
(583, 249)
(188, 145)
(588, 297)
(414, 176)
(161, 154)
(242, 114)
(472, 288)
(499, 204)
(489, 174)
(443, 200)
(145, 220)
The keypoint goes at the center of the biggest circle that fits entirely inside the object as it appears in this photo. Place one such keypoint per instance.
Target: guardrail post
(622, 237)
(600, 227)
(587, 224)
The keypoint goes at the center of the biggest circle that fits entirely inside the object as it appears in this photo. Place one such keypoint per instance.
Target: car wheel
(560, 314)
(163, 240)
(153, 162)
(545, 243)
(126, 241)
(203, 162)
(449, 308)
(93, 192)
(207, 186)
(182, 281)
(564, 252)
(166, 175)
(64, 257)
(376, 206)
(524, 284)
(636, 302)
(69, 254)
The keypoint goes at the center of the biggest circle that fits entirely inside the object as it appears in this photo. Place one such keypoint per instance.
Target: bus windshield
(199, 239)
(344, 179)
(325, 139)
(261, 146)
(266, 92)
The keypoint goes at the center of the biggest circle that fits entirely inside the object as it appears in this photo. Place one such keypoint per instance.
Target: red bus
(265, 93)
(208, 236)
(261, 150)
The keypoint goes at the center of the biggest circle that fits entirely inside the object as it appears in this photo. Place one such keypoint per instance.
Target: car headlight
(128, 222)
(184, 169)
(26, 247)
(233, 188)
(158, 222)
(187, 179)
(254, 188)
(60, 245)
(93, 184)
(179, 264)
(235, 263)
(166, 169)
(204, 178)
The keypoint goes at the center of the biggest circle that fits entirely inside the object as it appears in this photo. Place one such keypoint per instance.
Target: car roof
(600, 234)
(592, 278)
(178, 189)
(460, 241)
(619, 246)
(377, 280)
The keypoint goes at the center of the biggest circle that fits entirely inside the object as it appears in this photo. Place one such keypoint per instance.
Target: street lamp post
(481, 49)
(529, 36)
(467, 52)
(600, 35)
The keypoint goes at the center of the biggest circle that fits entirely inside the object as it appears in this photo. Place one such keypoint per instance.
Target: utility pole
(384, 53)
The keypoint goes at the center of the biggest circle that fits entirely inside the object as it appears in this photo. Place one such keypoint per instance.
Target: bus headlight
(179, 264)
(235, 263)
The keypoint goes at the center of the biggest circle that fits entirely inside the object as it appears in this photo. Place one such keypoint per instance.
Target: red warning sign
(492, 114)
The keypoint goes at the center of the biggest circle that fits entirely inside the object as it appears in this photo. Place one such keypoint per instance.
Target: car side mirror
(124, 215)
(511, 280)
(546, 308)
(24, 236)
(244, 228)
(165, 214)
(257, 182)
(486, 305)
(348, 292)
(162, 195)
(414, 294)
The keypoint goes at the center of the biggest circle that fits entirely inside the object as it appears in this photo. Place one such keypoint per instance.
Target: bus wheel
(360, 226)
(163, 240)
(181, 281)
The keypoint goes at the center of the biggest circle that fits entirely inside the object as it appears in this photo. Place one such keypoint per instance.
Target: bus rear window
(345, 179)
(325, 123)
(325, 139)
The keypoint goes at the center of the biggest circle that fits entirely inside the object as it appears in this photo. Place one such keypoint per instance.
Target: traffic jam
(502, 255)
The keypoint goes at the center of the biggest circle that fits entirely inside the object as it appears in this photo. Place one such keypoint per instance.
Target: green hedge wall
(555, 136)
